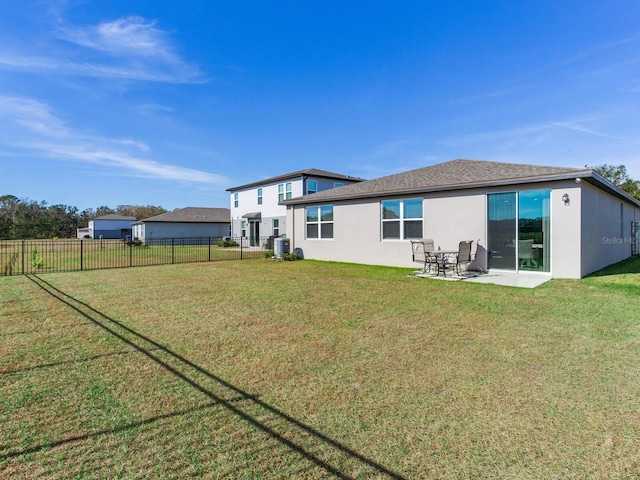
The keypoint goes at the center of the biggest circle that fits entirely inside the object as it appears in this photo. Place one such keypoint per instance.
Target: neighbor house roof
(456, 175)
(309, 172)
(115, 216)
(193, 215)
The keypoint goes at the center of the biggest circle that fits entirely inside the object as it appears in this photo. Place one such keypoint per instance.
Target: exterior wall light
(565, 199)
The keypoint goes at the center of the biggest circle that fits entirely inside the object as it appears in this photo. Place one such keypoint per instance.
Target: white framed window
(312, 186)
(284, 191)
(235, 200)
(402, 219)
(319, 221)
(276, 227)
(259, 196)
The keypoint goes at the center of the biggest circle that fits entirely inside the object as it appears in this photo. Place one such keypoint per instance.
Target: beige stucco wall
(577, 247)
(565, 230)
(450, 218)
(358, 238)
(603, 242)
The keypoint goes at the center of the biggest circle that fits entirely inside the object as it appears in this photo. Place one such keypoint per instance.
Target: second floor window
(235, 200)
(284, 191)
(312, 186)
(260, 196)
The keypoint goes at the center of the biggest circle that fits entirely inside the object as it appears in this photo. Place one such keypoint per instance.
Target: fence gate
(635, 238)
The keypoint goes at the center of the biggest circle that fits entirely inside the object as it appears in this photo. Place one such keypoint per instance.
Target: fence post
(23, 271)
(241, 248)
(173, 255)
(81, 254)
(131, 253)
(209, 250)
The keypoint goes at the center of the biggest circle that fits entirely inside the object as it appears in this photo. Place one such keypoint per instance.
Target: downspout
(293, 228)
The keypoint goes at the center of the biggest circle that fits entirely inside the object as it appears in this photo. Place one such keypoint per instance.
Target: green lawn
(266, 369)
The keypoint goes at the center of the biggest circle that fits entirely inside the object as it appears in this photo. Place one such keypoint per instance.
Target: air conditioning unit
(281, 247)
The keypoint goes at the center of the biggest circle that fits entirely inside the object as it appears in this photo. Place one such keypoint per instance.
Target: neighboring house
(109, 227)
(190, 222)
(575, 221)
(82, 233)
(255, 208)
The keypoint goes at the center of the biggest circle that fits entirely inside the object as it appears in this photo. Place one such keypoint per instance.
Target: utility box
(281, 247)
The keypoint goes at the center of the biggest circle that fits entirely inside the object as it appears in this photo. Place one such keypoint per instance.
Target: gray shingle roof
(193, 215)
(309, 172)
(115, 216)
(452, 175)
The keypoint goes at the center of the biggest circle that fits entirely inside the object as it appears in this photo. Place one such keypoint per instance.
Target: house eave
(302, 174)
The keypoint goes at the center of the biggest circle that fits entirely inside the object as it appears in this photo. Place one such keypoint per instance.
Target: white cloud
(32, 116)
(527, 135)
(129, 36)
(129, 48)
(29, 126)
(579, 128)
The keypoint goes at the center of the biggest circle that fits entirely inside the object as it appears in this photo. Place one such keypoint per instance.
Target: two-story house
(255, 207)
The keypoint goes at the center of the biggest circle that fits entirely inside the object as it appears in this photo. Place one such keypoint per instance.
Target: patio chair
(429, 245)
(461, 257)
(526, 254)
(422, 252)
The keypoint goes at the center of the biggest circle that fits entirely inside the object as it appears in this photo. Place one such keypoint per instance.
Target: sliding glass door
(518, 230)
(501, 230)
(533, 230)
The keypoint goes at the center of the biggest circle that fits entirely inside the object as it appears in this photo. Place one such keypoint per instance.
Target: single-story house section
(111, 226)
(560, 222)
(184, 223)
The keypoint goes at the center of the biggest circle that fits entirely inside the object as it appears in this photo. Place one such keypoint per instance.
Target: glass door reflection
(533, 230)
(501, 230)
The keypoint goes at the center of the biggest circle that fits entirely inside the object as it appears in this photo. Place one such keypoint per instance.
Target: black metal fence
(19, 257)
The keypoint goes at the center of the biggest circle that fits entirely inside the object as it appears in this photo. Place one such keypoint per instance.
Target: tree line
(24, 218)
(617, 174)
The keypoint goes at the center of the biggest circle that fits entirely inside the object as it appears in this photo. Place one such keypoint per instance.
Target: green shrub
(268, 253)
(226, 243)
(36, 262)
(290, 257)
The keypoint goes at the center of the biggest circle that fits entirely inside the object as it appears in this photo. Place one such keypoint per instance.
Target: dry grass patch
(313, 370)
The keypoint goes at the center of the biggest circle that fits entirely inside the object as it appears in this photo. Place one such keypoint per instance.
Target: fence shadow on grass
(31, 368)
(291, 433)
(108, 431)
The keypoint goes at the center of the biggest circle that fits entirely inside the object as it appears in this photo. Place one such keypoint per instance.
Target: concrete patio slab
(520, 280)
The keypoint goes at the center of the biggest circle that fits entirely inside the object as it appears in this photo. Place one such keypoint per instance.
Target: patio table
(440, 260)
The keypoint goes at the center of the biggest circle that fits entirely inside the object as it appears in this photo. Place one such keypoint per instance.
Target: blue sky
(170, 103)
